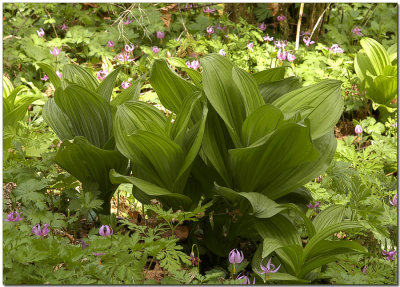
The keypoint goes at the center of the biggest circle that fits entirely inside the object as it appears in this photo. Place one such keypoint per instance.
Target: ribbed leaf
(57, 120)
(89, 114)
(19, 110)
(259, 167)
(271, 228)
(292, 255)
(248, 88)
(260, 123)
(223, 94)
(7, 87)
(323, 234)
(392, 54)
(269, 75)
(271, 91)
(145, 191)
(263, 207)
(130, 94)
(78, 75)
(133, 116)
(158, 157)
(169, 86)
(331, 245)
(322, 103)
(327, 217)
(90, 164)
(51, 73)
(298, 176)
(383, 88)
(216, 143)
(106, 87)
(376, 54)
(191, 146)
(307, 222)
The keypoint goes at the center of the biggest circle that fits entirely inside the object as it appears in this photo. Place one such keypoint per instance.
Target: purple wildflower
(45, 78)
(268, 38)
(336, 49)
(291, 57)
(110, 43)
(250, 46)
(14, 216)
(281, 55)
(358, 130)
(160, 35)
(269, 268)
(394, 202)
(195, 259)
(42, 232)
(84, 244)
(246, 279)
(124, 85)
(307, 41)
(195, 64)
(316, 205)
(208, 10)
(129, 48)
(222, 52)
(101, 75)
(281, 18)
(155, 49)
(281, 44)
(389, 254)
(210, 30)
(40, 32)
(128, 21)
(59, 74)
(356, 31)
(55, 52)
(64, 27)
(235, 257)
(106, 230)
(262, 26)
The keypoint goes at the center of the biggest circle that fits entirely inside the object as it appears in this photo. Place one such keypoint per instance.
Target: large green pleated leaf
(223, 93)
(133, 116)
(169, 86)
(216, 144)
(248, 88)
(264, 165)
(272, 230)
(327, 217)
(376, 53)
(297, 176)
(383, 88)
(392, 54)
(51, 73)
(106, 87)
(191, 147)
(260, 123)
(307, 222)
(331, 245)
(158, 156)
(57, 120)
(90, 164)
(78, 75)
(7, 87)
(130, 94)
(181, 124)
(19, 110)
(292, 256)
(145, 191)
(363, 66)
(89, 114)
(269, 75)
(261, 205)
(322, 103)
(271, 91)
(326, 232)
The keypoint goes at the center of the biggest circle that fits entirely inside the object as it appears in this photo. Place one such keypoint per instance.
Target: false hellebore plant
(246, 141)
(80, 113)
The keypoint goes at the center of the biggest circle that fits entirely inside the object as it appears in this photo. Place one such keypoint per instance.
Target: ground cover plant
(200, 143)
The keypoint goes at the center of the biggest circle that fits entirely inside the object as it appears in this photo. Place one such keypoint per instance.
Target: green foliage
(377, 75)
